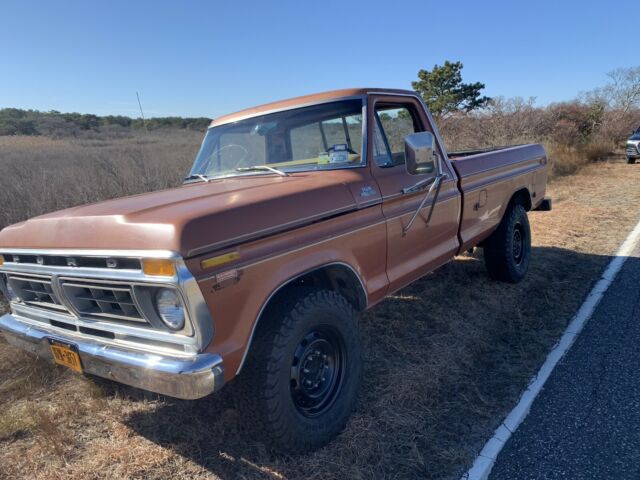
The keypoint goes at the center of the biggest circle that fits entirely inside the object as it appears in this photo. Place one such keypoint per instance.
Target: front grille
(36, 291)
(102, 301)
(632, 150)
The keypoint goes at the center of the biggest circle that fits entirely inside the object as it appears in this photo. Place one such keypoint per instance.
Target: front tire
(631, 160)
(303, 372)
(508, 250)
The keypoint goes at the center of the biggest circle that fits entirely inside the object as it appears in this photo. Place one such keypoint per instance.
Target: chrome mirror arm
(419, 185)
(435, 186)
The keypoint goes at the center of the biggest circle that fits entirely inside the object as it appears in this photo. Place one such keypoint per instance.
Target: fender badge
(226, 279)
(367, 191)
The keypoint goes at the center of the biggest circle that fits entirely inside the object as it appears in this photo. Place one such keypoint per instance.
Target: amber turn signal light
(1, 260)
(219, 260)
(161, 267)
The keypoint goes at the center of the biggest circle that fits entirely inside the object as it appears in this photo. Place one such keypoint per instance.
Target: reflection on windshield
(311, 138)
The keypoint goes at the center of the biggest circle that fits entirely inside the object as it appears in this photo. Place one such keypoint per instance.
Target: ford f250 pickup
(296, 216)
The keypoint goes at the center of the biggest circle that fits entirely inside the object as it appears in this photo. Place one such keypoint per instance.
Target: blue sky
(205, 58)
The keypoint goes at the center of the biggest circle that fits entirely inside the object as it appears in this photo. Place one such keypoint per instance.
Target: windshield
(324, 136)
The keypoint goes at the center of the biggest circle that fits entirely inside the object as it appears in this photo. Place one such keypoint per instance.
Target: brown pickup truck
(296, 216)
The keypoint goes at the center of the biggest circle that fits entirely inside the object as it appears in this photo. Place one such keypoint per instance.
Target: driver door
(422, 247)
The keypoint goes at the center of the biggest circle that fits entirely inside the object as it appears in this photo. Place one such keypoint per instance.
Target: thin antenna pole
(144, 122)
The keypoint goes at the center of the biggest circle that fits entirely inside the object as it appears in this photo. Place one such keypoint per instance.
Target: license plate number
(65, 354)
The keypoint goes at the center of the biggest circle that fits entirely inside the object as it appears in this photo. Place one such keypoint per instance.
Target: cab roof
(305, 100)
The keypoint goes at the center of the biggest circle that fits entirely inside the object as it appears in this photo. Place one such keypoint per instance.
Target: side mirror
(420, 153)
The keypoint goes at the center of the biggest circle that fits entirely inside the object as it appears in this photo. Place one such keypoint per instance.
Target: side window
(396, 123)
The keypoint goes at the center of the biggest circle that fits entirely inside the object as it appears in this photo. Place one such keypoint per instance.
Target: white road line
(484, 462)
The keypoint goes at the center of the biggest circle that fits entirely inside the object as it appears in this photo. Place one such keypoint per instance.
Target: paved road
(585, 424)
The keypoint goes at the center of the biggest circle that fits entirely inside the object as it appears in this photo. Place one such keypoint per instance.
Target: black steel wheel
(507, 251)
(517, 244)
(303, 372)
(317, 370)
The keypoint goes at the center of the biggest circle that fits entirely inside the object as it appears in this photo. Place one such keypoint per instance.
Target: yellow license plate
(66, 354)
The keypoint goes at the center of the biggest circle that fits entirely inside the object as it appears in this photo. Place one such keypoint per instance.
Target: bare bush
(575, 133)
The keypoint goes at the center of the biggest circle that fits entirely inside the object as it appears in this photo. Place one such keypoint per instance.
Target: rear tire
(508, 250)
(303, 372)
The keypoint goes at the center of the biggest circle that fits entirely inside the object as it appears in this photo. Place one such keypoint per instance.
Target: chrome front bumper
(187, 378)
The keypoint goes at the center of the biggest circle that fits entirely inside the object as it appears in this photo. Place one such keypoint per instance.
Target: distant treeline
(15, 121)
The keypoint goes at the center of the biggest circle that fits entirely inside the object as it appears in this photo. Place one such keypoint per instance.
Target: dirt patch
(446, 358)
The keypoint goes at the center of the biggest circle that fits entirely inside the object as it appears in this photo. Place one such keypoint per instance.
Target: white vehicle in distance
(633, 147)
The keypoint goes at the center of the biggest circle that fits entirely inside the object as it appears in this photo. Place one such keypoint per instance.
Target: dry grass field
(40, 174)
(446, 358)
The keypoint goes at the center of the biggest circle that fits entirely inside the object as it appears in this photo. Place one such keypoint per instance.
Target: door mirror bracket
(436, 183)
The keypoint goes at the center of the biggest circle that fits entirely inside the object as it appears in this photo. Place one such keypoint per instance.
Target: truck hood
(191, 219)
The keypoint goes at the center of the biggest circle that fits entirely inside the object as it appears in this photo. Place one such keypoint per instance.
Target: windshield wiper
(262, 167)
(198, 176)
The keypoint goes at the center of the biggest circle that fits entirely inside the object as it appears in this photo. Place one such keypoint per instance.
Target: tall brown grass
(40, 174)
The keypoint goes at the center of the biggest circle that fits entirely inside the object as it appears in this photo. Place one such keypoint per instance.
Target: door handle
(482, 200)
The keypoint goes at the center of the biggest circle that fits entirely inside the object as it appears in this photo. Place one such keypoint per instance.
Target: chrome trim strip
(290, 173)
(263, 259)
(266, 302)
(510, 176)
(258, 261)
(40, 319)
(271, 230)
(197, 308)
(370, 203)
(535, 161)
(75, 252)
(186, 378)
(86, 272)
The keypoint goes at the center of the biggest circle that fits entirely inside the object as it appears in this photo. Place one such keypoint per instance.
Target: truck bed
(488, 178)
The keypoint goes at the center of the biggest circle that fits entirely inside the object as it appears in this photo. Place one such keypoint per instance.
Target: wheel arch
(523, 197)
(337, 276)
